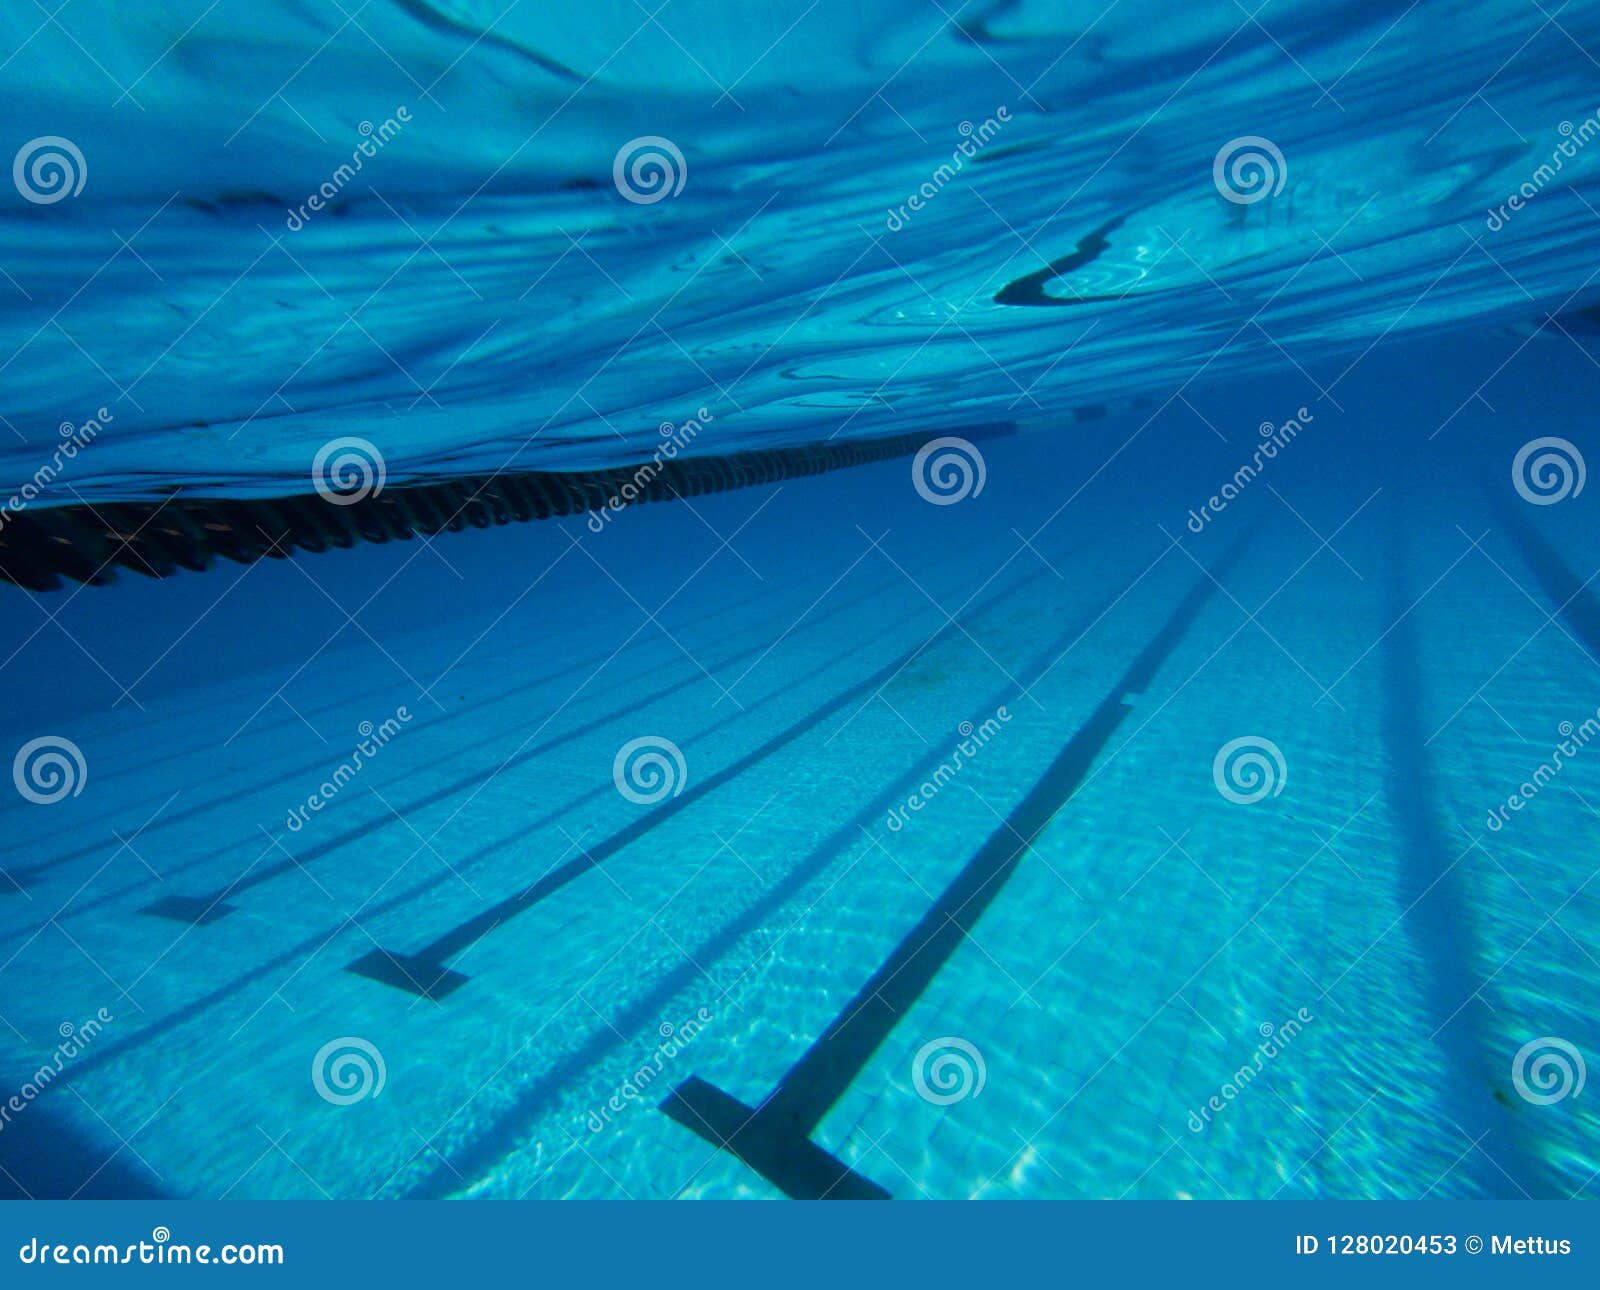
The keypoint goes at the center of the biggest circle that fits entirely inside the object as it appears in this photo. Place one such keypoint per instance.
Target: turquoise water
(941, 875)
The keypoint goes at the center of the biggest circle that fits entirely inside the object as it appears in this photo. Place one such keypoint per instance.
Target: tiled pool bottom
(1349, 965)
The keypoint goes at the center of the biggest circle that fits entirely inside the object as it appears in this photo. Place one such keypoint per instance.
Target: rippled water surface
(479, 292)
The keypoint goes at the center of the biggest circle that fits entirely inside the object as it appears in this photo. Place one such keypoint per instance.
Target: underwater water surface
(1169, 776)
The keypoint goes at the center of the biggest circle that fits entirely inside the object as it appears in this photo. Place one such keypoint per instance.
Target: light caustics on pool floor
(484, 969)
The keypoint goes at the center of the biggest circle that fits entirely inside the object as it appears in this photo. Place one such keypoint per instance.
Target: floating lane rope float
(88, 543)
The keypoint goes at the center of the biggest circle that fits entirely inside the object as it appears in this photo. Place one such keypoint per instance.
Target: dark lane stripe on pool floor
(1440, 915)
(299, 956)
(319, 767)
(427, 971)
(210, 906)
(200, 910)
(774, 1138)
(147, 736)
(1570, 596)
(483, 1154)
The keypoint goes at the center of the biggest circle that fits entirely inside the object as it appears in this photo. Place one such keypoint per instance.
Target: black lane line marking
(1029, 290)
(774, 1138)
(195, 909)
(44, 1156)
(488, 1148)
(297, 954)
(188, 1011)
(490, 849)
(191, 910)
(307, 770)
(204, 909)
(211, 906)
(1440, 915)
(427, 972)
(1569, 596)
(348, 700)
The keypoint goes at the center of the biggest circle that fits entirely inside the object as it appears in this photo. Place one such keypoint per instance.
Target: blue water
(1139, 813)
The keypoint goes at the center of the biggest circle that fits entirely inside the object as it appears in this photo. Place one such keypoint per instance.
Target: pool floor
(945, 879)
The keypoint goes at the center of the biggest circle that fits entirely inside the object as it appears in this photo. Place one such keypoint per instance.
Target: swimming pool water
(941, 875)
